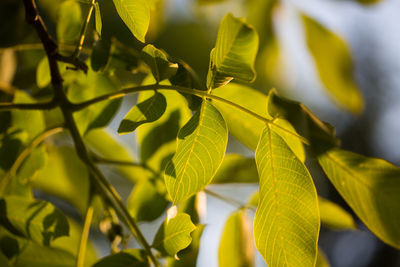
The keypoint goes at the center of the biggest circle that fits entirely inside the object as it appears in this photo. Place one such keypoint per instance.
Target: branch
(27, 106)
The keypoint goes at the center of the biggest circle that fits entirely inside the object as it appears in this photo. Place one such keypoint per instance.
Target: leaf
(236, 169)
(370, 186)
(99, 23)
(246, 128)
(286, 223)
(136, 15)
(3, 260)
(200, 150)
(64, 176)
(101, 54)
(322, 260)
(368, 2)
(147, 200)
(174, 234)
(158, 62)
(125, 258)
(68, 21)
(334, 64)
(43, 73)
(37, 220)
(335, 217)
(236, 246)
(234, 53)
(147, 111)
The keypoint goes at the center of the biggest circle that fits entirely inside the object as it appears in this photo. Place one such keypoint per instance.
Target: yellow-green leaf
(334, 64)
(200, 150)
(322, 260)
(236, 245)
(136, 15)
(99, 23)
(370, 186)
(69, 21)
(334, 216)
(158, 62)
(286, 223)
(234, 53)
(236, 169)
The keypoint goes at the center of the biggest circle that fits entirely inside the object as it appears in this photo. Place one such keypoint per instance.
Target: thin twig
(229, 200)
(27, 106)
(80, 259)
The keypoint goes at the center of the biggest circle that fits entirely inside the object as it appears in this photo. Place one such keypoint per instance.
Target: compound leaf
(158, 62)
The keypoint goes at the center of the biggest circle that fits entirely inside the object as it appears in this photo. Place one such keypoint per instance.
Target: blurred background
(187, 29)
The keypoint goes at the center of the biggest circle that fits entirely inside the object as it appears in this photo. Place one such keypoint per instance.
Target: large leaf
(234, 53)
(147, 111)
(174, 234)
(36, 220)
(200, 151)
(334, 216)
(335, 65)
(286, 223)
(136, 15)
(236, 169)
(125, 258)
(236, 245)
(246, 128)
(158, 62)
(370, 186)
(69, 21)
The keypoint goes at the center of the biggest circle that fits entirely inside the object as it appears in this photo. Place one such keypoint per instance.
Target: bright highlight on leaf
(158, 62)
(370, 186)
(286, 223)
(174, 234)
(200, 150)
(136, 15)
(147, 111)
(334, 64)
(234, 53)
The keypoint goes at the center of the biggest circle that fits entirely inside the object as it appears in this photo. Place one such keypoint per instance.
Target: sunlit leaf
(99, 23)
(236, 244)
(286, 223)
(322, 260)
(69, 21)
(370, 186)
(236, 169)
(144, 112)
(234, 53)
(136, 16)
(200, 150)
(101, 54)
(43, 73)
(334, 216)
(36, 220)
(174, 234)
(334, 64)
(125, 258)
(64, 176)
(158, 62)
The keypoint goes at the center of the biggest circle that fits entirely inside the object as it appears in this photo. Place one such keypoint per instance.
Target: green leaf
(236, 169)
(147, 200)
(101, 54)
(3, 260)
(335, 217)
(136, 15)
(99, 23)
(158, 62)
(286, 223)
(125, 258)
(370, 186)
(234, 53)
(64, 176)
(174, 234)
(69, 21)
(200, 150)
(37, 220)
(368, 2)
(322, 260)
(43, 73)
(236, 245)
(147, 111)
(246, 128)
(334, 64)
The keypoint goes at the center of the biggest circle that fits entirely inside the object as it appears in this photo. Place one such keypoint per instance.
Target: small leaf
(286, 223)
(200, 150)
(158, 62)
(36, 220)
(335, 65)
(69, 21)
(125, 258)
(234, 53)
(99, 23)
(335, 217)
(43, 73)
(101, 54)
(236, 245)
(236, 169)
(370, 186)
(147, 111)
(136, 15)
(368, 2)
(322, 260)
(174, 234)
